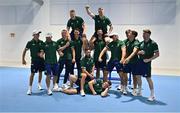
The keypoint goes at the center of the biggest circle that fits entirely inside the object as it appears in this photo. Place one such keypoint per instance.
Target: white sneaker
(29, 92)
(151, 98)
(49, 92)
(134, 93)
(60, 89)
(68, 83)
(56, 86)
(82, 93)
(119, 87)
(75, 85)
(39, 87)
(65, 86)
(55, 89)
(125, 91)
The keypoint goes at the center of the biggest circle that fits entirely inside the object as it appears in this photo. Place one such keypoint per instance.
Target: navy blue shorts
(37, 66)
(102, 65)
(52, 69)
(114, 63)
(143, 68)
(130, 68)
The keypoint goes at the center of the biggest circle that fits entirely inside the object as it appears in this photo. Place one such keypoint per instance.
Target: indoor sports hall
(19, 19)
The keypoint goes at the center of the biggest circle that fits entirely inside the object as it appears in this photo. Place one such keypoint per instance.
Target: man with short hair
(98, 43)
(101, 21)
(67, 56)
(92, 87)
(75, 22)
(118, 53)
(132, 47)
(37, 63)
(51, 65)
(78, 47)
(148, 51)
(87, 72)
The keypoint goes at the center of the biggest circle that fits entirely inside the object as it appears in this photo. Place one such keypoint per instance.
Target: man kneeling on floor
(92, 87)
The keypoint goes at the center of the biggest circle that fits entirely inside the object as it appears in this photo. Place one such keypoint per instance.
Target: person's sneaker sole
(151, 99)
(29, 93)
(50, 94)
(134, 94)
(40, 88)
(124, 93)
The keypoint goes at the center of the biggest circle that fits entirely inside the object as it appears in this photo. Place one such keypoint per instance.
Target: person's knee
(73, 78)
(83, 75)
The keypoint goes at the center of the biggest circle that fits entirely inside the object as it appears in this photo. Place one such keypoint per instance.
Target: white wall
(166, 35)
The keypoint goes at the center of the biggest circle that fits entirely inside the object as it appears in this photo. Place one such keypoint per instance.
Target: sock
(152, 92)
(30, 87)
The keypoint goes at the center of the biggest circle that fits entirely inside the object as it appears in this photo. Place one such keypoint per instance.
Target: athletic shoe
(55, 89)
(39, 87)
(82, 93)
(125, 91)
(119, 87)
(29, 92)
(134, 93)
(75, 85)
(60, 89)
(49, 92)
(65, 86)
(68, 83)
(151, 98)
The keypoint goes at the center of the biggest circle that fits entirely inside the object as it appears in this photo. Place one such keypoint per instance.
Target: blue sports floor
(13, 98)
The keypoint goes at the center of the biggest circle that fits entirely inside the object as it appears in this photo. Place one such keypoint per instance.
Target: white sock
(48, 89)
(30, 87)
(152, 92)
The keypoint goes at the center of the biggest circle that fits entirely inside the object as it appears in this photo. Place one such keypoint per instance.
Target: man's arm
(105, 92)
(91, 42)
(135, 50)
(110, 29)
(73, 55)
(84, 28)
(102, 53)
(156, 54)
(68, 28)
(92, 72)
(65, 46)
(123, 49)
(84, 43)
(23, 56)
(89, 11)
